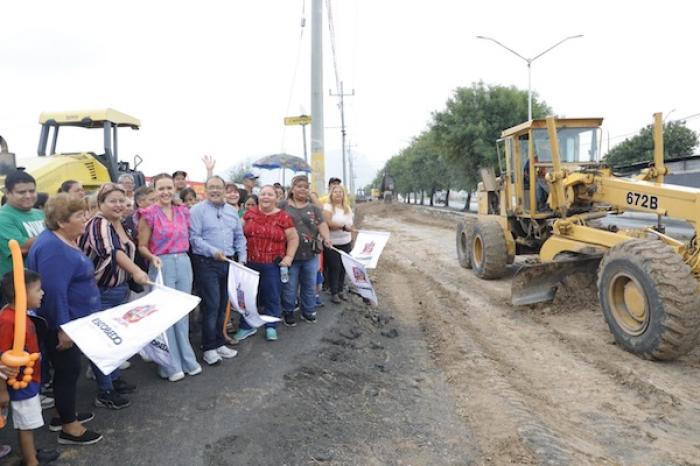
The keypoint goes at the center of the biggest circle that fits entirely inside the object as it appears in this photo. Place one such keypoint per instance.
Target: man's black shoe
(123, 387)
(311, 318)
(111, 400)
(289, 319)
(46, 456)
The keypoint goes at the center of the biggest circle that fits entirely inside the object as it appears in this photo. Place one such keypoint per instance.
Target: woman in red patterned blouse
(272, 242)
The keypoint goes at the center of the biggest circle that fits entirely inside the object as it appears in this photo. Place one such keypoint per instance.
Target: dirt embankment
(537, 385)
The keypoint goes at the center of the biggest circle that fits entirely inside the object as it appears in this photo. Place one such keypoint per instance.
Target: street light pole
(529, 65)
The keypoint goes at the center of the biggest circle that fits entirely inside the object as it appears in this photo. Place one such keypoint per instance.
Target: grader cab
(548, 200)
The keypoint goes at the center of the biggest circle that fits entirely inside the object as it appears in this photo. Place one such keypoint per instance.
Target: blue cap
(250, 176)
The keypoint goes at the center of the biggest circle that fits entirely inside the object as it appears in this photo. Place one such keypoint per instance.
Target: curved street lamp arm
(505, 47)
(553, 46)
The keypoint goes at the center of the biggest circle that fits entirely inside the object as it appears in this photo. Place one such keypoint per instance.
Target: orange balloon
(17, 357)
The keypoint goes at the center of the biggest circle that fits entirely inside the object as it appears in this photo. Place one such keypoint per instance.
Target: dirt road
(443, 372)
(536, 385)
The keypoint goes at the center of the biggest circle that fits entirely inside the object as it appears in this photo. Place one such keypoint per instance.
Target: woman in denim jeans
(308, 220)
(272, 242)
(164, 242)
(111, 250)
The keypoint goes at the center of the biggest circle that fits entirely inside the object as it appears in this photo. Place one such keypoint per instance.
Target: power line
(296, 68)
(331, 30)
(689, 117)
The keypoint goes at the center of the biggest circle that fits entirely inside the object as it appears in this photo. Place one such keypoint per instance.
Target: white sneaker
(46, 402)
(125, 365)
(196, 371)
(177, 376)
(212, 357)
(226, 353)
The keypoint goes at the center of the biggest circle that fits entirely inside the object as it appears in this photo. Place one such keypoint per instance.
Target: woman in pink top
(164, 242)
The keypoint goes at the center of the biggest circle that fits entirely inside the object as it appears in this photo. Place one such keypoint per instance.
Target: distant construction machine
(548, 200)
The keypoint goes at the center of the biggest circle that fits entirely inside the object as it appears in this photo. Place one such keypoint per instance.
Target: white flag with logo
(369, 246)
(108, 338)
(243, 294)
(158, 350)
(357, 273)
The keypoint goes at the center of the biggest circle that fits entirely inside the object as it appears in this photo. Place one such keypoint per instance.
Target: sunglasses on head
(109, 187)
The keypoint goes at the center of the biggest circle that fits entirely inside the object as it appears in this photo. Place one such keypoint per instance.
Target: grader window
(576, 145)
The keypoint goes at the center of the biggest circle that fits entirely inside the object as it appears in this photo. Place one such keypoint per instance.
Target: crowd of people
(87, 252)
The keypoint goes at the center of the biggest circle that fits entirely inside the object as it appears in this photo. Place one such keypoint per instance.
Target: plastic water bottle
(284, 274)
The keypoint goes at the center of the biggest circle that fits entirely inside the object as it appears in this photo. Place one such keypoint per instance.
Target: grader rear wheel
(488, 250)
(649, 299)
(463, 238)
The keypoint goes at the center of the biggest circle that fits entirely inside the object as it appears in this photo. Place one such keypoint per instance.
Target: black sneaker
(111, 400)
(55, 425)
(289, 319)
(46, 456)
(88, 438)
(311, 318)
(123, 387)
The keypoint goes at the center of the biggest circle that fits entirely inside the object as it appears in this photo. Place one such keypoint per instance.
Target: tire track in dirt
(548, 380)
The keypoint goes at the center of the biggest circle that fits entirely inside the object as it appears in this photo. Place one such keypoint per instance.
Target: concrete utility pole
(341, 95)
(351, 163)
(318, 163)
(529, 65)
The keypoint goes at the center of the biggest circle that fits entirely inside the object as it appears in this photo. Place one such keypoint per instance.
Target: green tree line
(461, 138)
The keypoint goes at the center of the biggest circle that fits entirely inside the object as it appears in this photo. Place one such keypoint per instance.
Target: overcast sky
(218, 77)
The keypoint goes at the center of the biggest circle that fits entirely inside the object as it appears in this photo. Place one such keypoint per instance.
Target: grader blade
(538, 283)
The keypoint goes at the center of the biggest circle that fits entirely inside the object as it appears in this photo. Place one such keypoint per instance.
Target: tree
(235, 174)
(466, 131)
(678, 142)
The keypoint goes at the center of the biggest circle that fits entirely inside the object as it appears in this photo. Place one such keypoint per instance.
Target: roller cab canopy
(90, 118)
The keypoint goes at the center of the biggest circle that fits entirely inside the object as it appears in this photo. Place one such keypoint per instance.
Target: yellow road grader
(549, 200)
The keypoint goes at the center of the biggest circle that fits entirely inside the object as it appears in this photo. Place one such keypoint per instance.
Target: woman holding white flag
(272, 242)
(164, 242)
(111, 251)
(339, 218)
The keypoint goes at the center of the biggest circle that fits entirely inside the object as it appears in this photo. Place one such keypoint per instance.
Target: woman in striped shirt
(111, 251)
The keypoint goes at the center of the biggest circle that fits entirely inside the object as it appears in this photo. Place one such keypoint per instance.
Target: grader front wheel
(488, 250)
(649, 299)
(463, 238)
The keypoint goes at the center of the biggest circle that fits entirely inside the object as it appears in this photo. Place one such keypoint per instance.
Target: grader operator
(91, 169)
(648, 281)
